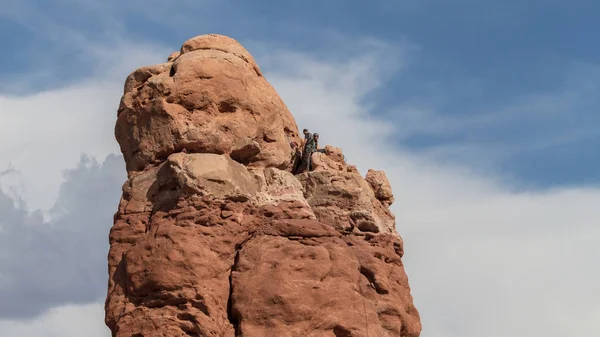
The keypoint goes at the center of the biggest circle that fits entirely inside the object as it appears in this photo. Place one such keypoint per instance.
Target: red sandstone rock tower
(215, 237)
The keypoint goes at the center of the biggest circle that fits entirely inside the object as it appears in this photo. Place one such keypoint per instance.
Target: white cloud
(44, 133)
(62, 261)
(482, 260)
(65, 321)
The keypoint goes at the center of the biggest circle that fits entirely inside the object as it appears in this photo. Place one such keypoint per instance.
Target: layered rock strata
(215, 237)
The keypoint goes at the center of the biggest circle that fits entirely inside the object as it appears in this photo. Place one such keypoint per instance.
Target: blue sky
(466, 62)
(484, 115)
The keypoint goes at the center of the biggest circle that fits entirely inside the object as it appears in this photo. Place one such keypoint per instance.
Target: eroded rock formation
(215, 237)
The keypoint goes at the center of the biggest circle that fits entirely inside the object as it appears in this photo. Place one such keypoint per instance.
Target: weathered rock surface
(215, 237)
(332, 160)
(209, 98)
(381, 186)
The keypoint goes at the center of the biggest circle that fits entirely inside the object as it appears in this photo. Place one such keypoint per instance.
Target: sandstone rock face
(381, 186)
(215, 237)
(332, 160)
(209, 98)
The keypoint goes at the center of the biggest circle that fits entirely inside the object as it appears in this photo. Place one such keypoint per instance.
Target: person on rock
(316, 137)
(307, 136)
(310, 147)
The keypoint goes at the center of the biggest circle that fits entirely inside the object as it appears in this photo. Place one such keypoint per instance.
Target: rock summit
(214, 236)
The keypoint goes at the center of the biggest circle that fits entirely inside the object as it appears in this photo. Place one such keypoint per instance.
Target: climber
(303, 147)
(310, 146)
(307, 136)
(316, 137)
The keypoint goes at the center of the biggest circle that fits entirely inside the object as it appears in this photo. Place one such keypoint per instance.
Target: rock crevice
(214, 236)
(232, 315)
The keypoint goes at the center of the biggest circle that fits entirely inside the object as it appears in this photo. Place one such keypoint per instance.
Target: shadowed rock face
(215, 237)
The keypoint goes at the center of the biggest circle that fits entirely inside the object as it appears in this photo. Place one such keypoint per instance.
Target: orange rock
(381, 186)
(215, 237)
(173, 56)
(331, 159)
(212, 98)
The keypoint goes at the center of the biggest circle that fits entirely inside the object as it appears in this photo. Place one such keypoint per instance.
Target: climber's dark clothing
(309, 148)
(297, 161)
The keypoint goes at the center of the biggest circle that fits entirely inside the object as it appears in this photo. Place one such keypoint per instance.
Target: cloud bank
(45, 264)
(45, 132)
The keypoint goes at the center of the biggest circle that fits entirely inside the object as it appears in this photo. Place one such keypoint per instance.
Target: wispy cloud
(497, 133)
(73, 40)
